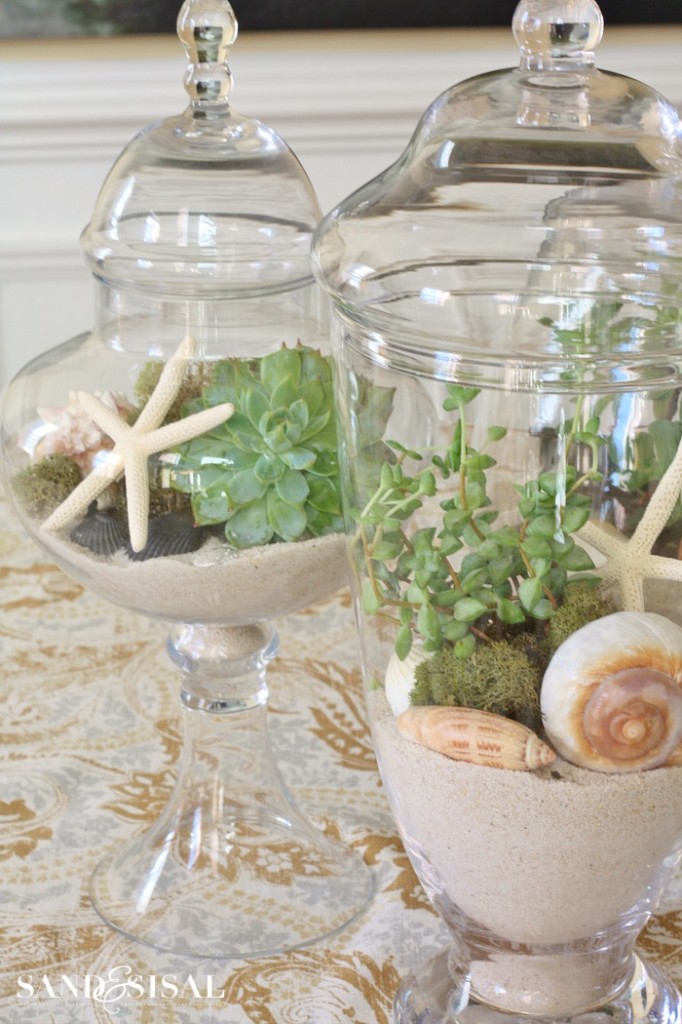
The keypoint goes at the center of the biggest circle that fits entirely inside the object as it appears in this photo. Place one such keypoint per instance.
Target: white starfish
(630, 562)
(134, 444)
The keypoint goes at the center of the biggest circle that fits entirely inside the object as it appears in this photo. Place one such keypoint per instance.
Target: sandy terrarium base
(547, 877)
(215, 584)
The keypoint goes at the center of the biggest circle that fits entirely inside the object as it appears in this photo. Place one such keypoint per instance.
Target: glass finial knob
(554, 33)
(208, 30)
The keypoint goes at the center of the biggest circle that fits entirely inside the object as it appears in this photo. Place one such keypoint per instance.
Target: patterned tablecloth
(89, 741)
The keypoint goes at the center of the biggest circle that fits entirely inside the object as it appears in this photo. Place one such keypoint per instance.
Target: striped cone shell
(479, 737)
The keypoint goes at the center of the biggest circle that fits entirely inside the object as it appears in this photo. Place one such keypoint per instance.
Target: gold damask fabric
(89, 741)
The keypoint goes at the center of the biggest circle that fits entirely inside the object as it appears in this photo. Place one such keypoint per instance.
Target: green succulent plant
(512, 578)
(271, 472)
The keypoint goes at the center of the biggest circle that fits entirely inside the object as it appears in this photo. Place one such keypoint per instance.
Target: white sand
(213, 584)
(532, 858)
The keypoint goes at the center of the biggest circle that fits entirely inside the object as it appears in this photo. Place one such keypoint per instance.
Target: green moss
(148, 378)
(505, 676)
(42, 487)
(498, 677)
(582, 602)
(161, 500)
(165, 499)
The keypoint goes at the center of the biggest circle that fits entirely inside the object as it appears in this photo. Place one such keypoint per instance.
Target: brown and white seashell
(479, 737)
(611, 697)
(173, 533)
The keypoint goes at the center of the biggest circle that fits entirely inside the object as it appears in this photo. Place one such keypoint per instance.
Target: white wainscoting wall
(347, 103)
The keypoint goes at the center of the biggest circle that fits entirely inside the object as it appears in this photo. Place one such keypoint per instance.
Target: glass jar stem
(229, 866)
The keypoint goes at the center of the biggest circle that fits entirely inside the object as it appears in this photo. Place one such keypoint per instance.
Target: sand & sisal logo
(112, 989)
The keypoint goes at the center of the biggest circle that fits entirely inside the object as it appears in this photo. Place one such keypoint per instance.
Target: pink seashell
(74, 433)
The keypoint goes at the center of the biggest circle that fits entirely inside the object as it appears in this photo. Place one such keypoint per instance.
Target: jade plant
(487, 602)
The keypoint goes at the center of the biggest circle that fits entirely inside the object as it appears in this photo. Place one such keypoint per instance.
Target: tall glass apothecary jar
(181, 460)
(508, 344)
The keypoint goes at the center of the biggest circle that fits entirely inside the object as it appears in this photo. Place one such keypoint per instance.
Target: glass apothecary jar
(508, 344)
(181, 460)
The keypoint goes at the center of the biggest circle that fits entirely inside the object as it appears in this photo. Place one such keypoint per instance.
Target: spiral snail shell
(611, 697)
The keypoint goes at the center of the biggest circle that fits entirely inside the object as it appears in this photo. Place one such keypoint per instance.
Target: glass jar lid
(207, 202)
(525, 197)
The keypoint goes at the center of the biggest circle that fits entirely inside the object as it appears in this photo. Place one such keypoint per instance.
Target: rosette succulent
(270, 473)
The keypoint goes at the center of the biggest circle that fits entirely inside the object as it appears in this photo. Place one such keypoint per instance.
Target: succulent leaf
(241, 430)
(250, 526)
(284, 395)
(299, 458)
(245, 487)
(292, 487)
(321, 523)
(269, 468)
(277, 366)
(287, 521)
(327, 464)
(298, 413)
(323, 495)
(210, 509)
(313, 394)
(275, 434)
(256, 405)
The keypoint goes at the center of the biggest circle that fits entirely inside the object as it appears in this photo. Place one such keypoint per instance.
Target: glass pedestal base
(258, 885)
(439, 993)
(232, 868)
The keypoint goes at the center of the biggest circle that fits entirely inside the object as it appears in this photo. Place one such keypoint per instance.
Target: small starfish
(134, 444)
(630, 562)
